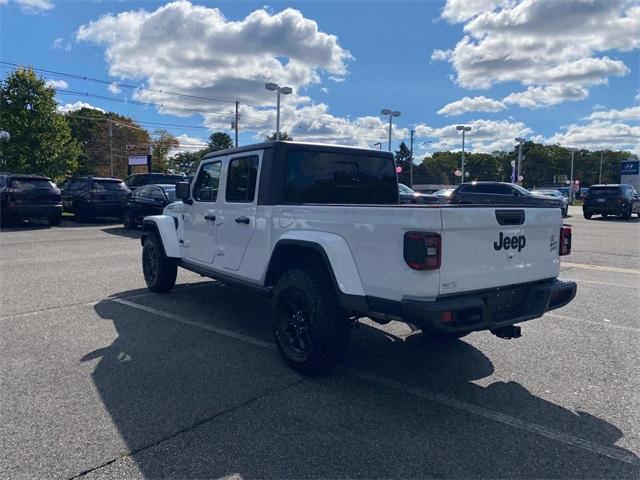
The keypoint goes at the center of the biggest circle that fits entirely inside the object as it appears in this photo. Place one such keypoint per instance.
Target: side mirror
(183, 192)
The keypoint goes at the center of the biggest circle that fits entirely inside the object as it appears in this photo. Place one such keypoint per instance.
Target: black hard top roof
(290, 145)
(603, 185)
(100, 179)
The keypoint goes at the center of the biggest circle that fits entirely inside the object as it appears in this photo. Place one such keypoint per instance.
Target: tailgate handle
(510, 217)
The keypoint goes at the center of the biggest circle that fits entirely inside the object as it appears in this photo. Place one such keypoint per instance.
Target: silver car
(555, 194)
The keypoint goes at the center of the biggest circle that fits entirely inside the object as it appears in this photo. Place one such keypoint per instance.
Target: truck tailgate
(484, 247)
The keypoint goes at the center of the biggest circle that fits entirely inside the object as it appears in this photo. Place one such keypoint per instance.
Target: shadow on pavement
(123, 232)
(193, 404)
(635, 219)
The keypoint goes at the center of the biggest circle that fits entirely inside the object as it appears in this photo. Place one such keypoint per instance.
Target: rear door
(237, 216)
(485, 247)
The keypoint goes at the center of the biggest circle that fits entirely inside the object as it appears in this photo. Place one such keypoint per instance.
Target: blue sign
(630, 167)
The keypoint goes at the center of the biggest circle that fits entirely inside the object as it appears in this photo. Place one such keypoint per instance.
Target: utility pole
(391, 114)
(111, 144)
(412, 132)
(573, 151)
(236, 124)
(601, 158)
(520, 141)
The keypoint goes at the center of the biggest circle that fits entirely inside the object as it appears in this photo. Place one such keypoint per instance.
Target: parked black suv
(147, 200)
(154, 178)
(88, 197)
(29, 196)
(500, 193)
(622, 200)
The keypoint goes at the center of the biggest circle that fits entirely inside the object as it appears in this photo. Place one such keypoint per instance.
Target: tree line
(88, 141)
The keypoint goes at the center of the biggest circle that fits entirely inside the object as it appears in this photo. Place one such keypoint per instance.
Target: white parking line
(514, 422)
(634, 286)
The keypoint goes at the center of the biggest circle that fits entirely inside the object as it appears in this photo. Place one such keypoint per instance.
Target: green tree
(92, 128)
(184, 162)
(163, 142)
(41, 140)
(219, 141)
(284, 137)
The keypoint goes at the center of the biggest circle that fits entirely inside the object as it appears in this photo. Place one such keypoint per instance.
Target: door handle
(211, 218)
(244, 220)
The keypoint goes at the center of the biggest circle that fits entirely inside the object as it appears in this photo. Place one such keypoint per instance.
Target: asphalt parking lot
(102, 379)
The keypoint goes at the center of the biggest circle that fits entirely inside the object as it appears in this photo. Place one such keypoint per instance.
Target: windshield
(109, 185)
(404, 189)
(445, 192)
(604, 191)
(162, 178)
(520, 190)
(548, 193)
(31, 183)
(170, 192)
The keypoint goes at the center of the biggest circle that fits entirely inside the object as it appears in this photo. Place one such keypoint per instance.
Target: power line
(119, 84)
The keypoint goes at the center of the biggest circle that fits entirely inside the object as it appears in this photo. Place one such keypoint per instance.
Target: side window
(129, 181)
(1, 181)
(156, 194)
(206, 186)
(241, 179)
(143, 193)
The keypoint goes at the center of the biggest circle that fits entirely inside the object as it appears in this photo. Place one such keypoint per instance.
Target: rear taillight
(565, 240)
(422, 250)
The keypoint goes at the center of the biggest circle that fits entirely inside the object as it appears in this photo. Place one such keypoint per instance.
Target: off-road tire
(587, 215)
(311, 330)
(159, 271)
(128, 220)
(55, 220)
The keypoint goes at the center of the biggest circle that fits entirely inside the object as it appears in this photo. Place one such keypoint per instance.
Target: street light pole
(111, 145)
(520, 141)
(279, 90)
(391, 114)
(573, 151)
(464, 129)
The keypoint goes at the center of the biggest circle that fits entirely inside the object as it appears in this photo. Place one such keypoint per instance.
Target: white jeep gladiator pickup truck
(321, 230)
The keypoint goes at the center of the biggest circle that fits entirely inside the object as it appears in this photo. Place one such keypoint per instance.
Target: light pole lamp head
(520, 140)
(385, 111)
(395, 114)
(271, 86)
(286, 90)
(463, 128)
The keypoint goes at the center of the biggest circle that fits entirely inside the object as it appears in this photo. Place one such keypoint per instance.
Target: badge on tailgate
(515, 242)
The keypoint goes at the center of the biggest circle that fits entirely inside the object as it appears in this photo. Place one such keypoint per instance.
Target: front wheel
(626, 215)
(310, 328)
(159, 271)
(587, 215)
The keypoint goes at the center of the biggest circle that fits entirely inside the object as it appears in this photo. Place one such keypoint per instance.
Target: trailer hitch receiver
(508, 332)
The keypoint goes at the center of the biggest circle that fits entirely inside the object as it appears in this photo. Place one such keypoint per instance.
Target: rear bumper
(604, 208)
(32, 211)
(489, 309)
(106, 208)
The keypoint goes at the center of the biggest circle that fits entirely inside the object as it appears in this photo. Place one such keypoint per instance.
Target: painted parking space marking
(571, 440)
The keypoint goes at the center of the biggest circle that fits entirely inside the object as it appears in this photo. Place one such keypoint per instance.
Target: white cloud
(72, 107)
(626, 114)
(598, 135)
(541, 43)
(538, 97)
(32, 7)
(58, 43)
(188, 144)
(57, 84)
(439, 55)
(485, 136)
(196, 50)
(469, 104)
(456, 11)
(114, 88)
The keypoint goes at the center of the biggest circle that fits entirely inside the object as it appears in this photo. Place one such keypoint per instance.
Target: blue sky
(557, 72)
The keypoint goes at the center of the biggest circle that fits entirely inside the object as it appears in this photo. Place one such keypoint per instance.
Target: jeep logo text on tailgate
(506, 242)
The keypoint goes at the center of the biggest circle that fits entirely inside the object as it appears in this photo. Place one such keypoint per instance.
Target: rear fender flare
(165, 227)
(336, 253)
